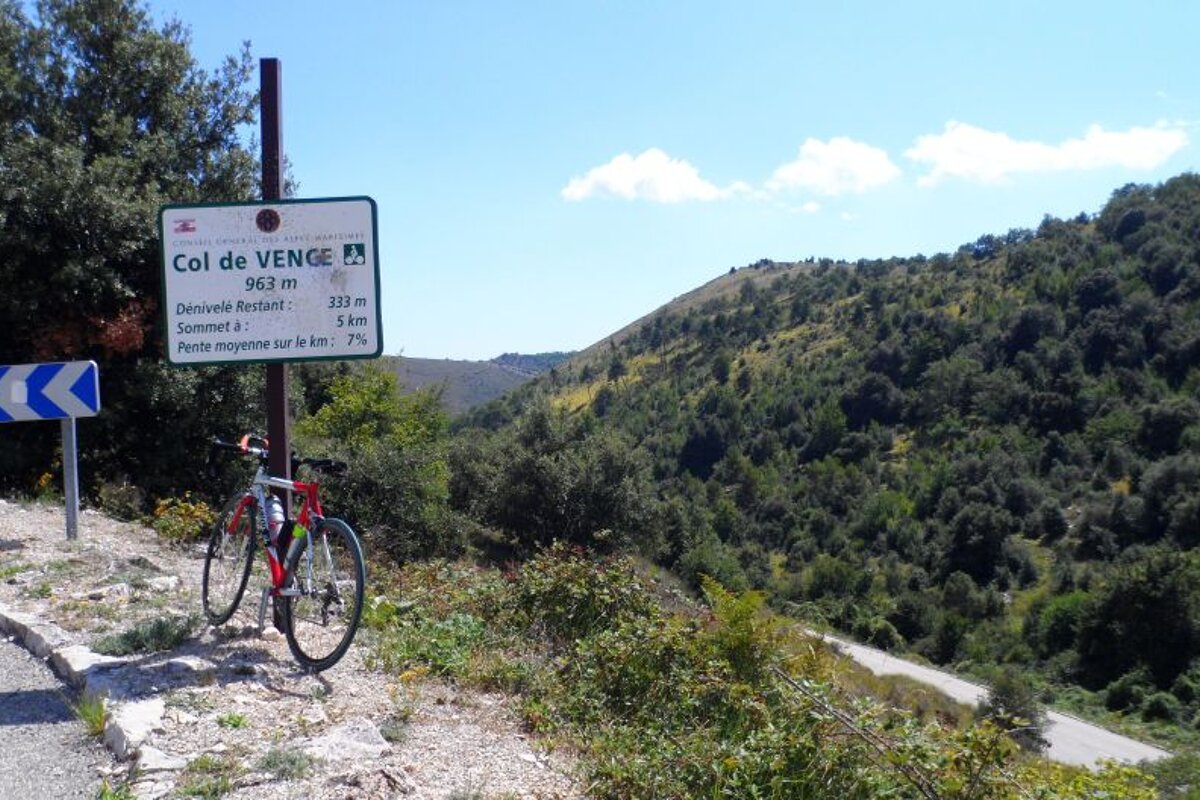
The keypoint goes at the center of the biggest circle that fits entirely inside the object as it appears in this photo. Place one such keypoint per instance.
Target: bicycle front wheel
(330, 576)
(227, 562)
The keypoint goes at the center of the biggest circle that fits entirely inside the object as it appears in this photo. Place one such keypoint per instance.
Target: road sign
(273, 281)
(61, 391)
(49, 391)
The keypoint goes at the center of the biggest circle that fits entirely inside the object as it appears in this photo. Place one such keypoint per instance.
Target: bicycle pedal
(277, 616)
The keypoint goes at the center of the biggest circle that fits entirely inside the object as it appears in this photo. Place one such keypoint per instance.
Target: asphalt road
(1072, 741)
(45, 753)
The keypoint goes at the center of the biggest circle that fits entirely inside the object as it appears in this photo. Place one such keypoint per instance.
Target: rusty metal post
(278, 418)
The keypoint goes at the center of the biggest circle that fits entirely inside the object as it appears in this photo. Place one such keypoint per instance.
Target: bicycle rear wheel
(320, 622)
(227, 562)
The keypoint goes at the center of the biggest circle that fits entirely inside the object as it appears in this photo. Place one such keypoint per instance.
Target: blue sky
(547, 172)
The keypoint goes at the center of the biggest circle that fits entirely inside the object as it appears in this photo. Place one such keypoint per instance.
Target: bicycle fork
(283, 583)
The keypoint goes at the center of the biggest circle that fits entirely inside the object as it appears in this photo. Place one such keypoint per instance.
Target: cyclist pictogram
(354, 253)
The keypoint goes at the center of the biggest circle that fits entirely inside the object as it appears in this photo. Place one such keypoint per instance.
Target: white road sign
(286, 280)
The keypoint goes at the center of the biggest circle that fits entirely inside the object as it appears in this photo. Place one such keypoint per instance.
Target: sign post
(62, 391)
(279, 421)
(271, 282)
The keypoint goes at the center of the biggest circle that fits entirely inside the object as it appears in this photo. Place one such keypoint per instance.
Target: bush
(1161, 706)
(1012, 705)
(182, 520)
(569, 596)
(121, 500)
(1126, 692)
(150, 636)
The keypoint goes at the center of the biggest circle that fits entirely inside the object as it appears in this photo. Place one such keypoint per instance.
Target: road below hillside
(1072, 741)
(44, 750)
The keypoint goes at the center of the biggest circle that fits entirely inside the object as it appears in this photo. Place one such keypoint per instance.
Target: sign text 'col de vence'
(285, 280)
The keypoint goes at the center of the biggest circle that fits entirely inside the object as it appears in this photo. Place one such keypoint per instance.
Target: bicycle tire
(228, 559)
(320, 623)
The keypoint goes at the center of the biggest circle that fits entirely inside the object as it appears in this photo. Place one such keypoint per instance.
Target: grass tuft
(287, 763)
(150, 636)
(92, 712)
(232, 720)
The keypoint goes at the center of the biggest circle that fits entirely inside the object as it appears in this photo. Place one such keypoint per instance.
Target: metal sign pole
(278, 421)
(70, 477)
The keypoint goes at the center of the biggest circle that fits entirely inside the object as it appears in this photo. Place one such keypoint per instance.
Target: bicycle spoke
(324, 616)
(227, 561)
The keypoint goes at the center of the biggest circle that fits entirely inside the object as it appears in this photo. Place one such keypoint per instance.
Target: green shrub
(1161, 706)
(1127, 692)
(1012, 705)
(93, 712)
(149, 636)
(286, 763)
(445, 645)
(121, 500)
(207, 777)
(182, 520)
(568, 596)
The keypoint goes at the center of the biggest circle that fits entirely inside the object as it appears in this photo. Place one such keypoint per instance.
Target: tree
(103, 118)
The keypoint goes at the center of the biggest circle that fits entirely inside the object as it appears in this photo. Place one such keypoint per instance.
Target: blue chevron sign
(49, 391)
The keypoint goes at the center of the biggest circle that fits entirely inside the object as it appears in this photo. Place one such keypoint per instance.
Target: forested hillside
(986, 457)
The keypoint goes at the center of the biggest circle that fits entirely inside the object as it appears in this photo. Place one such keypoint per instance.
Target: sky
(547, 172)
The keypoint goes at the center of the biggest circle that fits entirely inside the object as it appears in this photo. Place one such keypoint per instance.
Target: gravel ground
(44, 750)
(235, 699)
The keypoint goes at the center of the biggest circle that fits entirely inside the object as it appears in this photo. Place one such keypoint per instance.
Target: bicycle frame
(308, 516)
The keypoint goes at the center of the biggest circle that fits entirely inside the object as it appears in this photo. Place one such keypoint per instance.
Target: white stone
(76, 661)
(190, 665)
(130, 723)
(152, 790)
(314, 715)
(44, 639)
(115, 590)
(353, 740)
(151, 759)
(164, 583)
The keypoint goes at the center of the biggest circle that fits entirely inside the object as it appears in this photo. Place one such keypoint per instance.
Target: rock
(151, 759)
(314, 715)
(164, 583)
(357, 739)
(181, 717)
(190, 665)
(115, 590)
(41, 638)
(130, 723)
(152, 790)
(381, 783)
(76, 662)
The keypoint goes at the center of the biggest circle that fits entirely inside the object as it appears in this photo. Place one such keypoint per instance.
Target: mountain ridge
(988, 456)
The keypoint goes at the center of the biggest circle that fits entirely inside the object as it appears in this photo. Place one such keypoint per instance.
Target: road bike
(316, 563)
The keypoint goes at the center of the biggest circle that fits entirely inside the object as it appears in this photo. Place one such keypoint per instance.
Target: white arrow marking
(58, 390)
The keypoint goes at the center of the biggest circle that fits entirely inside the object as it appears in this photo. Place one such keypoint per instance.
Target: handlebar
(255, 445)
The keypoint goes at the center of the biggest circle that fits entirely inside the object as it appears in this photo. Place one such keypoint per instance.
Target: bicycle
(317, 584)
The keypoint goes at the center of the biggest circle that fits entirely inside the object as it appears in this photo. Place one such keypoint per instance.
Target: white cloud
(975, 154)
(839, 166)
(653, 175)
(811, 207)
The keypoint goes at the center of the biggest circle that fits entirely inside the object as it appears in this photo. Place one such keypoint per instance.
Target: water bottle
(274, 517)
